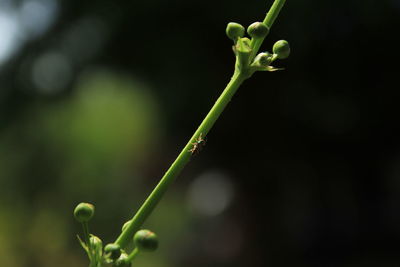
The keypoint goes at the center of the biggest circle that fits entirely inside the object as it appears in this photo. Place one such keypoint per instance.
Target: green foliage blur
(302, 169)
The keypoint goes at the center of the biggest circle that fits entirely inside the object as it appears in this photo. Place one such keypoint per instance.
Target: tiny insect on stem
(198, 145)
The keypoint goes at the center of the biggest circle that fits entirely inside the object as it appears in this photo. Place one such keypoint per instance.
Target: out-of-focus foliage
(79, 147)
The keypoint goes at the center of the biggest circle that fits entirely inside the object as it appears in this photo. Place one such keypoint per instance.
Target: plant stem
(132, 256)
(273, 12)
(86, 235)
(183, 158)
(180, 162)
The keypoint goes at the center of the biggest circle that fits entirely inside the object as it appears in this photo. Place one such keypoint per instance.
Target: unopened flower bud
(145, 240)
(258, 30)
(122, 261)
(113, 250)
(263, 59)
(84, 212)
(234, 30)
(281, 49)
(125, 225)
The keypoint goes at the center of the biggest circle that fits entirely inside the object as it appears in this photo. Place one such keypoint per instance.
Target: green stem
(269, 21)
(273, 12)
(132, 256)
(183, 158)
(180, 162)
(85, 227)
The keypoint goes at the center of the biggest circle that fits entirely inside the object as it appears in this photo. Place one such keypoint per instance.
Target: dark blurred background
(97, 98)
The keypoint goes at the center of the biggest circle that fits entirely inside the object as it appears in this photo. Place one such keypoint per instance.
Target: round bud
(145, 240)
(234, 30)
(84, 212)
(281, 49)
(113, 250)
(258, 30)
(125, 225)
(263, 59)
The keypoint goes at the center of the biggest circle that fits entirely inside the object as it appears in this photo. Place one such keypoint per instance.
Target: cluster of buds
(112, 254)
(245, 48)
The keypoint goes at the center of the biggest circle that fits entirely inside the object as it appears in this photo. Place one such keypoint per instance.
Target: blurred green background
(98, 97)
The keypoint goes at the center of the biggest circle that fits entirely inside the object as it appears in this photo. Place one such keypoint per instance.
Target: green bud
(122, 261)
(234, 30)
(125, 225)
(84, 212)
(263, 59)
(113, 251)
(145, 240)
(258, 30)
(281, 49)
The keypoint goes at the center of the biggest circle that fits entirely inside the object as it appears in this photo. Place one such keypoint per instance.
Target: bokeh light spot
(51, 73)
(210, 194)
(36, 16)
(9, 34)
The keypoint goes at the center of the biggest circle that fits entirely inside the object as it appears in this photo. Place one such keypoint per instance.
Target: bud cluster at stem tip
(247, 59)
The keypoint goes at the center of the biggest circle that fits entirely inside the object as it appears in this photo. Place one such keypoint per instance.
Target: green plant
(248, 61)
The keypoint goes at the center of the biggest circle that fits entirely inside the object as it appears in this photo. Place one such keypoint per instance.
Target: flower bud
(125, 225)
(145, 240)
(263, 59)
(113, 250)
(258, 30)
(281, 49)
(234, 30)
(84, 212)
(122, 261)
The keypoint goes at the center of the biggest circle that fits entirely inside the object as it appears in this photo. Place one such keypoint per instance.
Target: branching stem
(183, 158)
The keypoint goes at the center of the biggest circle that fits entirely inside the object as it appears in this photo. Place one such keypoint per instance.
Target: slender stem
(269, 21)
(132, 256)
(273, 12)
(180, 162)
(87, 238)
(185, 155)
